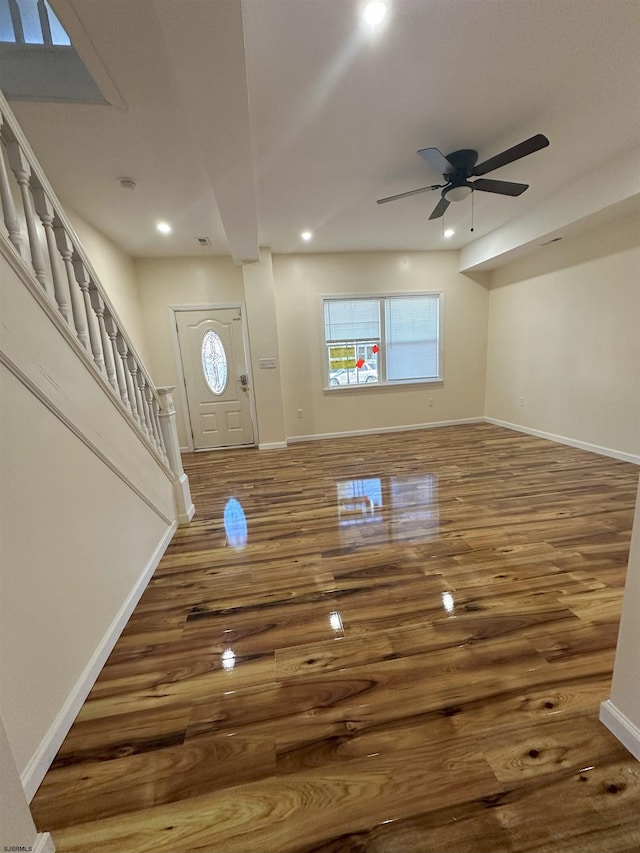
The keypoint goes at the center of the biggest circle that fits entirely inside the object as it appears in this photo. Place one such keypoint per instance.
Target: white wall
(564, 339)
(299, 282)
(180, 281)
(85, 513)
(117, 273)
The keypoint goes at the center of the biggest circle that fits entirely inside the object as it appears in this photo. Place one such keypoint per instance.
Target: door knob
(244, 380)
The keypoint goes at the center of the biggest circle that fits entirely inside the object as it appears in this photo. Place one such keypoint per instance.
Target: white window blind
(412, 337)
(351, 319)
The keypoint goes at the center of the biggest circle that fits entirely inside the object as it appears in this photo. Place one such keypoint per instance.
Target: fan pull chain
(472, 195)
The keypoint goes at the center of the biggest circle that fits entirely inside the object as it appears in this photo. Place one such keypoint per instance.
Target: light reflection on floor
(398, 507)
(235, 524)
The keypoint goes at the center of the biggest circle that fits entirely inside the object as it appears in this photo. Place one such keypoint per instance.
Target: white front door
(214, 363)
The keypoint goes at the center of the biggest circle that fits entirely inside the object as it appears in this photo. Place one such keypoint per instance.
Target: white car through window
(353, 375)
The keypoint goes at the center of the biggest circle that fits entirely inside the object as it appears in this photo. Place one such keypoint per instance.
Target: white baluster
(142, 384)
(78, 310)
(22, 170)
(9, 212)
(123, 352)
(153, 422)
(112, 332)
(46, 213)
(97, 303)
(133, 370)
(155, 408)
(82, 277)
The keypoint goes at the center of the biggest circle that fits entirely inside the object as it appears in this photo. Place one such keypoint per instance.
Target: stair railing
(39, 232)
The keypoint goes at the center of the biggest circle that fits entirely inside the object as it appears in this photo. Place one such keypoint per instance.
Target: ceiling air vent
(553, 240)
(204, 241)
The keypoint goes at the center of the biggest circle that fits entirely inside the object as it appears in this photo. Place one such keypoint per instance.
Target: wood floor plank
(472, 827)
(552, 749)
(142, 780)
(424, 677)
(165, 690)
(587, 812)
(101, 738)
(276, 816)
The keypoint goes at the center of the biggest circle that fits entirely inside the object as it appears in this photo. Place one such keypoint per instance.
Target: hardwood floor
(407, 655)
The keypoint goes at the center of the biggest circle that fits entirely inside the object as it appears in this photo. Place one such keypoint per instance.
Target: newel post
(169, 430)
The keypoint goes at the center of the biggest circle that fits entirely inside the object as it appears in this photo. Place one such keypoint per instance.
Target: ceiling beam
(205, 41)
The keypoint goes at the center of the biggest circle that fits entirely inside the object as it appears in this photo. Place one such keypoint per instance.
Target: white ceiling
(247, 122)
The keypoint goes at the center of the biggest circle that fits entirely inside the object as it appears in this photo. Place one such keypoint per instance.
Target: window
(386, 340)
(38, 61)
(30, 22)
(214, 362)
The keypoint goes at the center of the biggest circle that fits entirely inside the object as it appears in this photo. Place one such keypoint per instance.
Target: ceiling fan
(456, 169)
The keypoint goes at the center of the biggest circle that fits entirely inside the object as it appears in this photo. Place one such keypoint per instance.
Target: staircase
(93, 487)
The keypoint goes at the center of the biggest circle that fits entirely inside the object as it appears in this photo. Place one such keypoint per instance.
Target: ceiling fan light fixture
(457, 193)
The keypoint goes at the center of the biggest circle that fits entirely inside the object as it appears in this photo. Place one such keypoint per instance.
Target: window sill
(371, 385)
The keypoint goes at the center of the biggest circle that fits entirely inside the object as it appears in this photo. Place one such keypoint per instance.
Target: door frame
(181, 388)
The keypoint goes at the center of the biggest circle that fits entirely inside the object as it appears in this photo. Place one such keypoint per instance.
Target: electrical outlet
(521, 401)
(430, 401)
(300, 413)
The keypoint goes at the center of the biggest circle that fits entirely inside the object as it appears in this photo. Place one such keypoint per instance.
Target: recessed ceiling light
(306, 235)
(164, 228)
(448, 233)
(374, 13)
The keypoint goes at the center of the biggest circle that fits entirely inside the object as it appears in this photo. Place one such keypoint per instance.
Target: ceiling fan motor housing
(459, 187)
(463, 162)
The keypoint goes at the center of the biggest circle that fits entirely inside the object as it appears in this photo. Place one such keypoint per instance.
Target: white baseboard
(621, 727)
(44, 843)
(41, 760)
(273, 445)
(379, 430)
(572, 442)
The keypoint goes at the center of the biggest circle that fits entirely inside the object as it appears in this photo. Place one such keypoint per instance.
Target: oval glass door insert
(214, 362)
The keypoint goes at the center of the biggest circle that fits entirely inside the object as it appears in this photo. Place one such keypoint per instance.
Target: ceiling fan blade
(436, 158)
(487, 185)
(409, 192)
(534, 143)
(440, 208)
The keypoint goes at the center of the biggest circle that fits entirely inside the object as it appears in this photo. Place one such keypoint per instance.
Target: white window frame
(381, 360)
